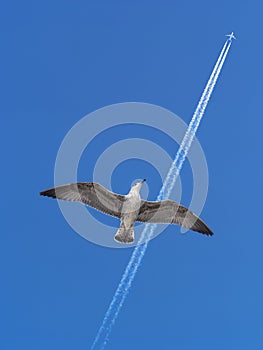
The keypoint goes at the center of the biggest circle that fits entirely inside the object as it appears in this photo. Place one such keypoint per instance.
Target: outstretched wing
(89, 193)
(170, 212)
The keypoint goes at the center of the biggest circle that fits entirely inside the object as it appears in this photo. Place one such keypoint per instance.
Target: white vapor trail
(125, 284)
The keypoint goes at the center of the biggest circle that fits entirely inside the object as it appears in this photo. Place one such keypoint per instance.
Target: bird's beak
(144, 180)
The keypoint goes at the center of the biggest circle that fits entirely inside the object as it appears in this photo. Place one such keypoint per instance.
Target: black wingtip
(49, 193)
(207, 231)
(201, 227)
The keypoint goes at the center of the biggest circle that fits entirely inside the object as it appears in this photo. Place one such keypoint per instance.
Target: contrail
(125, 284)
(178, 162)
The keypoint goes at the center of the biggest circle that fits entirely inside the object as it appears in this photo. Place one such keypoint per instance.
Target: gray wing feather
(89, 193)
(170, 212)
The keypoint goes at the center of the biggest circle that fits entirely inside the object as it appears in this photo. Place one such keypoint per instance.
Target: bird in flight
(128, 208)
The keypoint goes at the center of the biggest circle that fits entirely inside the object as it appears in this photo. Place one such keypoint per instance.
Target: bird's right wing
(170, 212)
(89, 193)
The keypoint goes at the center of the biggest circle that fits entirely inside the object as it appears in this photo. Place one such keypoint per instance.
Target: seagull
(128, 208)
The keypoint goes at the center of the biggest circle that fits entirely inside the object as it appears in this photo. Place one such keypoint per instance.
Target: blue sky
(62, 60)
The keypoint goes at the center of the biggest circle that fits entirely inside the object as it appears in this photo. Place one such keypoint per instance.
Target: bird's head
(136, 187)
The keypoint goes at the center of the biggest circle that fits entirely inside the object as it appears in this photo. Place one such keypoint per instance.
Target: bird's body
(129, 214)
(129, 208)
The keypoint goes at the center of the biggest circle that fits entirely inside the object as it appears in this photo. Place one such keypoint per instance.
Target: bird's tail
(124, 234)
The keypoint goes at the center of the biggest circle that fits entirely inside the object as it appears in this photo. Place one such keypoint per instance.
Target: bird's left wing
(170, 212)
(89, 193)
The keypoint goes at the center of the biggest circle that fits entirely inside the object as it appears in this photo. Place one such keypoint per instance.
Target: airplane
(231, 36)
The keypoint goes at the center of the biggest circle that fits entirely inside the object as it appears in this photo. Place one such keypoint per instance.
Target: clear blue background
(61, 60)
